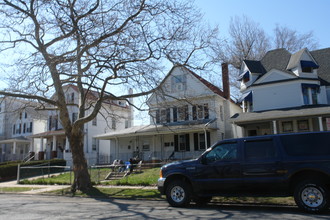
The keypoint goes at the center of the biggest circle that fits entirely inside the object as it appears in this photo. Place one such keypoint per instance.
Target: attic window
(308, 66)
(178, 83)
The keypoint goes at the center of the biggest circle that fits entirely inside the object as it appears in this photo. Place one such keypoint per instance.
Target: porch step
(115, 175)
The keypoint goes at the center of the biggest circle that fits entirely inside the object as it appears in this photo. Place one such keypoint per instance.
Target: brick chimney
(225, 81)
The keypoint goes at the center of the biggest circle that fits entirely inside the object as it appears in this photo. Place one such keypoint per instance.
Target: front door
(220, 169)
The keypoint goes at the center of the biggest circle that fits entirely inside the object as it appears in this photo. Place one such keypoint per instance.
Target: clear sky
(300, 15)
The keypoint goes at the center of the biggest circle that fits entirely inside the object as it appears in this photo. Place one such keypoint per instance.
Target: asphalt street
(24, 207)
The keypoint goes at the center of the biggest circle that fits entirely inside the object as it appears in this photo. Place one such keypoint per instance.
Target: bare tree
(100, 45)
(292, 40)
(248, 41)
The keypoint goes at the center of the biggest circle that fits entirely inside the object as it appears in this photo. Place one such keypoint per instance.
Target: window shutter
(187, 143)
(196, 141)
(176, 143)
(208, 136)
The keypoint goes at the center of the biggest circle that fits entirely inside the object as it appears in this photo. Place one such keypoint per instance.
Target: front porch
(160, 142)
(14, 149)
(284, 121)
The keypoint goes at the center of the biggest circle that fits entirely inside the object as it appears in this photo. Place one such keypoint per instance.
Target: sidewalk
(46, 188)
(35, 188)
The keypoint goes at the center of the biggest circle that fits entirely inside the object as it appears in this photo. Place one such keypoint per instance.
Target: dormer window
(245, 77)
(308, 66)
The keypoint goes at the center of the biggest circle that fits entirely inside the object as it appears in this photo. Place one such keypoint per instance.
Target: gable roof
(295, 58)
(284, 61)
(209, 85)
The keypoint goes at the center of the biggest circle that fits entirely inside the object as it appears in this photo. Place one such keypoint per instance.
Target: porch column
(54, 152)
(67, 144)
(41, 153)
(321, 124)
(14, 147)
(32, 145)
(274, 127)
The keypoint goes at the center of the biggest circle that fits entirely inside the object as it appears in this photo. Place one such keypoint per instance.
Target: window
(175, 114)
(162, 116)
(200, 141)
(314, 96)
(303, 145)
(74, 117)
(181, 142)
(146, 146)
(200, 112)
(310, 93)
(303, 125)
(126, 123)
(307, 69)
(14, 129)
(287, 126)
(222, 152)
(183, 113)
(260, 150)
(94, 144)
(113, 124)
(25, 115)
(72, 98)
(94, 121)
(305, 96)
(178, 83)
(24, 128)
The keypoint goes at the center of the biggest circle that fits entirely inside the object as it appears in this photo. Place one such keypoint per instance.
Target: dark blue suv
(272, 165)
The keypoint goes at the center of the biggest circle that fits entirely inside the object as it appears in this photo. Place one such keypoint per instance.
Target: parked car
(272, 165)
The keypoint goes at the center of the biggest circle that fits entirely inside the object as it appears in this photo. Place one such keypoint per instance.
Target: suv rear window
(307, 144)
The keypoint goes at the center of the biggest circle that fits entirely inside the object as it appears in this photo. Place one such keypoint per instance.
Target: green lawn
(16, 189)
(146, 178)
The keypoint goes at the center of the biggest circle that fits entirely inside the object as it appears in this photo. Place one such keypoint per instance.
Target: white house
(187, 115)
(285, 92)
(18, 120)
(113, 116)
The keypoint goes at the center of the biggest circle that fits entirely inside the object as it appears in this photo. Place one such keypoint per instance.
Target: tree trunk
(82, 180)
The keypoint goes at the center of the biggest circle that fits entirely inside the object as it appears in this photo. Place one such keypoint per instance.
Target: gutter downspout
(205, 133)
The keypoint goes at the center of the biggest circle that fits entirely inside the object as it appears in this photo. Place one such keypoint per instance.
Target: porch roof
(21, 140)
(250, 117)
(146, 130)
(48, 134)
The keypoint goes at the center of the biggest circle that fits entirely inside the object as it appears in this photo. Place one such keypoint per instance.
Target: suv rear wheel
(178, 193)
(311, 196)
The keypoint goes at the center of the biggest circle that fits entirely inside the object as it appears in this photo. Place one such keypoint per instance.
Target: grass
(16, 189)
(146, 178)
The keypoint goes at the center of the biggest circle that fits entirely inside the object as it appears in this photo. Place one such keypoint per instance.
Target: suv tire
(311, 196)
(178, 193)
